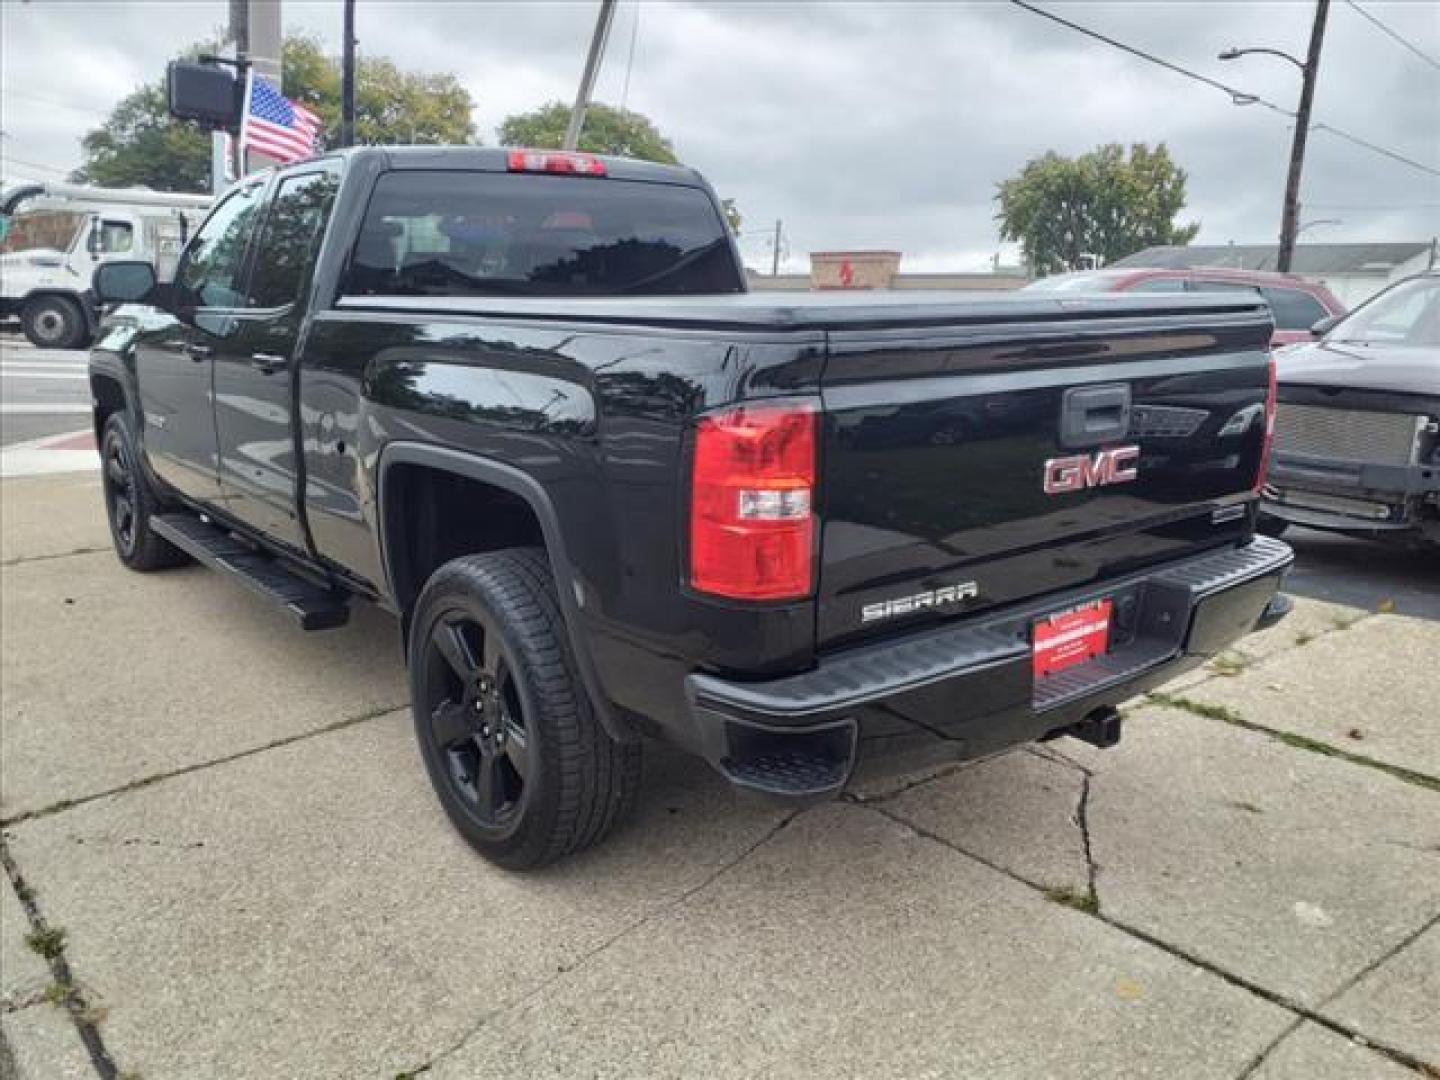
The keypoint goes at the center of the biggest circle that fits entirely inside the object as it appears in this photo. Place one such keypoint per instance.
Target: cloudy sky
(858, 124)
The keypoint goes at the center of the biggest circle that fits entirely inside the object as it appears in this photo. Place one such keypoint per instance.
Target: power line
(1239, 97)
(7, 159)
(57, 104)
(1392, 34)
(1377, 149)
(630, 60)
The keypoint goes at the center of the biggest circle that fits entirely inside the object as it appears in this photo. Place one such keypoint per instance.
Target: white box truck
(53, 236)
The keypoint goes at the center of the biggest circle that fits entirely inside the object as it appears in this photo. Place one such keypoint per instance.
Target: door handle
(267, 363)
(198, 352)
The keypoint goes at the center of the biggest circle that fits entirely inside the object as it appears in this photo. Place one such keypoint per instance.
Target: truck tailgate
(976, 464)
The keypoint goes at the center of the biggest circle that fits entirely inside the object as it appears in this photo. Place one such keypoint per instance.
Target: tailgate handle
(1092, 415)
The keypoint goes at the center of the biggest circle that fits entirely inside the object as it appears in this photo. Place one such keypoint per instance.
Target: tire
(130, 503)
(54, 322)
(519, 760)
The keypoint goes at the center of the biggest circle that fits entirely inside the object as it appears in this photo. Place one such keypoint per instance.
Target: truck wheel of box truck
(52, 321)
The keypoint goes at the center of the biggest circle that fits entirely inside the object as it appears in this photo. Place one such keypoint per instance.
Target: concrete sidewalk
(219, 830)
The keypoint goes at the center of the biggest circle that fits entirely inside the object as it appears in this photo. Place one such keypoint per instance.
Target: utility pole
(592, 68)
(1290, 222)
(775, 254)
(347, 78)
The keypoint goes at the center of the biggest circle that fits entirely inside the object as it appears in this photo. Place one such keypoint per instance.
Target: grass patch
(1199, 708)
(49, 942)
(1229, 664)
(1248, 807)
(1298, 742)
(1304, 637)
(1071, 897)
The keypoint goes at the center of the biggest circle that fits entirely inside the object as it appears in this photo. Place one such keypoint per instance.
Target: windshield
(1078, 282)
(37, 230)
(1408, 314)
(487, 234)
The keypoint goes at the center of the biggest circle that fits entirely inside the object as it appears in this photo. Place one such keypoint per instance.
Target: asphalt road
(42, 391)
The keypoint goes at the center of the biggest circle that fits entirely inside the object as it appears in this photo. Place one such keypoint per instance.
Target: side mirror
(1325, 325)
(124, 282)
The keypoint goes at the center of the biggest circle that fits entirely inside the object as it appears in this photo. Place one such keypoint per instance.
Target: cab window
(293, 226)
(211, 270)
(1293, 309)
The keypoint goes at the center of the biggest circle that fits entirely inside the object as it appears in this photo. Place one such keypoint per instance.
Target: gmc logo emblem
(1081, 471)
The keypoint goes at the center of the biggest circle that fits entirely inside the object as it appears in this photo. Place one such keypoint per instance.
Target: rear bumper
(970, 686)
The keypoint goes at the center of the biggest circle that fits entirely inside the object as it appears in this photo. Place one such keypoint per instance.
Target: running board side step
(312, 606)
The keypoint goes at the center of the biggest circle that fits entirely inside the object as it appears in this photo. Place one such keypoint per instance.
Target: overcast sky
(860, 124)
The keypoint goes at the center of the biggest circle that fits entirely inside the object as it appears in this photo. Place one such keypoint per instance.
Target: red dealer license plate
(1072, 637)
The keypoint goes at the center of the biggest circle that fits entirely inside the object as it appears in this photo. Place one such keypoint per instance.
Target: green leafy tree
(1106, 203)
(391, 106)
(141, 144)
(607, 130)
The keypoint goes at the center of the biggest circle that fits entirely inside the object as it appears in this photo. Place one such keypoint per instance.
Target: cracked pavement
(233, 831)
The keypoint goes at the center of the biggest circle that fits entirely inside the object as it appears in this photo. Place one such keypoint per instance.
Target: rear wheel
(515, 752)
(130, 503)
(54, 322)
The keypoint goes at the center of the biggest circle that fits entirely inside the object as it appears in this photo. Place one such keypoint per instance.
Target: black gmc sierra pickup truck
(522, 400)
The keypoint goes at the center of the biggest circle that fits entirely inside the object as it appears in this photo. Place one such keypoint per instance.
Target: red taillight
(555, 161)
(1270, 394)
(752, 524)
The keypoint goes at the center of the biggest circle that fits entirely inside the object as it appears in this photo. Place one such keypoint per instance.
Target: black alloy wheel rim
(120, 492)
(476, 720)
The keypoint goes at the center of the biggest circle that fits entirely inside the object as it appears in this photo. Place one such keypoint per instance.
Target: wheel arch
(402, 587)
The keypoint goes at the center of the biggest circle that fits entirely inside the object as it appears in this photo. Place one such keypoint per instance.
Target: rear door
(255, 367)
(966, 467)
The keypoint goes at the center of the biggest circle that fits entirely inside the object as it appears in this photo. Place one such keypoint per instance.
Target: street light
(1290, 214)
(1235, 54)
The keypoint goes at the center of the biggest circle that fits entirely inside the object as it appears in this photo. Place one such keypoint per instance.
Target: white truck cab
(53, 236)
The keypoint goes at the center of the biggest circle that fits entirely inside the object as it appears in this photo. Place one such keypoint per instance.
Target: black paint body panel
(939, 415)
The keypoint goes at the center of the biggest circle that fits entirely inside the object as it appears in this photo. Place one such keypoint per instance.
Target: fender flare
(525, 487)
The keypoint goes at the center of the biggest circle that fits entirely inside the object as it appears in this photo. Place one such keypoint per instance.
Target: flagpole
(244, 124)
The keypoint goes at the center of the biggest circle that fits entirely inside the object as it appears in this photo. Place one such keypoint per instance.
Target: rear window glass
(521, 234)
(1293, 309)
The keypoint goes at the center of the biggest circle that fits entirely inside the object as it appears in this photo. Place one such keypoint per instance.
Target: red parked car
(1297, 305)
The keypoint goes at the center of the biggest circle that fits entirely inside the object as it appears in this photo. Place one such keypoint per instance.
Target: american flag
(276, 126)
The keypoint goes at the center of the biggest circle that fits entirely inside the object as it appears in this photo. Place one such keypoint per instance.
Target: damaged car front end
(1357, 435)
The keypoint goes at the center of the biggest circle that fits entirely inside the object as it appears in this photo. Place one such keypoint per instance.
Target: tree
(140, 143)
(391, 106)
(1104, 203)
(607, 130)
